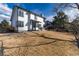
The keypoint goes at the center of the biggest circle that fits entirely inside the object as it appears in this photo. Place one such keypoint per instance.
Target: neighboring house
(24, 20)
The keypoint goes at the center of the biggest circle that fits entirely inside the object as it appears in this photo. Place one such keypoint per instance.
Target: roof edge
(29, 11)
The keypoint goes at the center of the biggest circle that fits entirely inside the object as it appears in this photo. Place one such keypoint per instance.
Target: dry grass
(39, 43)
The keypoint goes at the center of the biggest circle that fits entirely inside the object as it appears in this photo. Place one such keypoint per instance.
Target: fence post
(1, 48)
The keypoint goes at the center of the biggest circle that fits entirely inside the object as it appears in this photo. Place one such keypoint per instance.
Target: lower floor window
(38, 25)
(20, 24)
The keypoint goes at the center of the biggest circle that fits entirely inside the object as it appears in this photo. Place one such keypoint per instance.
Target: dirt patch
(39, 43)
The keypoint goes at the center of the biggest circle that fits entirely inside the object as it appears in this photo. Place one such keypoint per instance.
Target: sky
(39, 8)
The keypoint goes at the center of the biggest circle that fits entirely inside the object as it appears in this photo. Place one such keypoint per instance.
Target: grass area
(39, 43)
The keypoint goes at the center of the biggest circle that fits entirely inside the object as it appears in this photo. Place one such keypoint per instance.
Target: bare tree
(74, 26)
(60, 6)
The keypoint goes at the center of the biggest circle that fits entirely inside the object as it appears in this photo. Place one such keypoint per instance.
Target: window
(26, 13)
(20, 24)
(38, 25)
(21, 13)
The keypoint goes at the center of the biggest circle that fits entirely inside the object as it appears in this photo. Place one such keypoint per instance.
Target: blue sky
(40, 8)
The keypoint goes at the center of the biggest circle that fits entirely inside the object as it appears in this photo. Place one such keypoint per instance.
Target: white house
(24, 20)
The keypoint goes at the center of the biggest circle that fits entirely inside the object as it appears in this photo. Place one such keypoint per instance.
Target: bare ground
(47, 43)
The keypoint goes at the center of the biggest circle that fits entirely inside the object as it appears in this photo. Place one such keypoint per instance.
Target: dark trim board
(28, 21)
(11, 17)
(17, 20)
(29, 11)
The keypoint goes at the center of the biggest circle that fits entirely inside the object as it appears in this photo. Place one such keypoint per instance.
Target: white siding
(40, 20)
(32, 16)
(25, 20)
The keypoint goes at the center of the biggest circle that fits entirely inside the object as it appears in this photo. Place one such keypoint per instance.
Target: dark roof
(29, 11)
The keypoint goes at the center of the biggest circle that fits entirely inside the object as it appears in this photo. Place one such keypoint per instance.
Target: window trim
(21, 13)
(20, 24)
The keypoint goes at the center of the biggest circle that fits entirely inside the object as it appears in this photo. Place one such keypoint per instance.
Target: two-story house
(25, 20)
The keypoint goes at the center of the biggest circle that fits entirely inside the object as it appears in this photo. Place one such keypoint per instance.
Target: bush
(5, 27)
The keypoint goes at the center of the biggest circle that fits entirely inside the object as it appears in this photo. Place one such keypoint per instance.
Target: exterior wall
(32, 16)
(40, 20)
(24, 19)
(14, 18)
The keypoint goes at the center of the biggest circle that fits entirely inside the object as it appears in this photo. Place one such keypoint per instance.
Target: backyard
(48, 43)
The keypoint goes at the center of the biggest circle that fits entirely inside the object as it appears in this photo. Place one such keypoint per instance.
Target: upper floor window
(26, 13)
(21, 13)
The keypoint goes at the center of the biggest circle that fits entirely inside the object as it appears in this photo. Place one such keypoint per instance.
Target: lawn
(48, 43)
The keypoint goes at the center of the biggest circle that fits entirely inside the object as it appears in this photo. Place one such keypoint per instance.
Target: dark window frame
(20, 24)
(21, 13)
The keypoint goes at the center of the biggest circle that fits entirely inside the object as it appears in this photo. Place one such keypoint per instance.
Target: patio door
(32, 25)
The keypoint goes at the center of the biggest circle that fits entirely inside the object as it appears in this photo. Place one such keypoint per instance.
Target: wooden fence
(1, 48)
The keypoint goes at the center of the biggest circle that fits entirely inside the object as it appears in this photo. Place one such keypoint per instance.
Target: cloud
(72, 13)
(4, 16)
(5, 11)
(49, 18)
